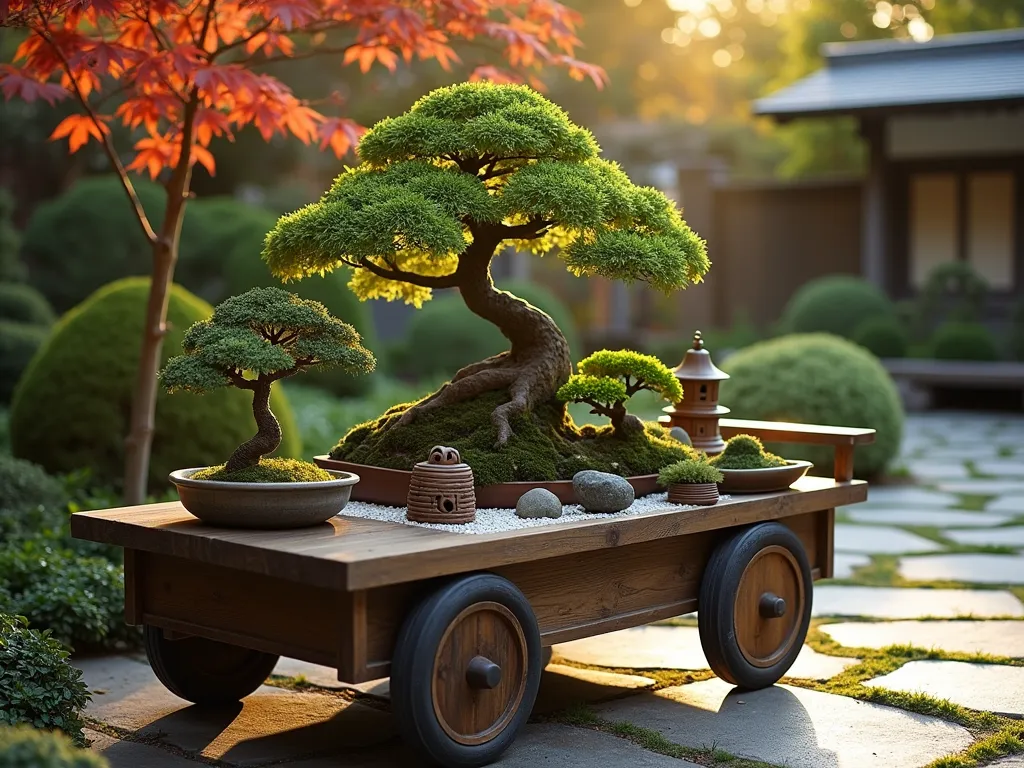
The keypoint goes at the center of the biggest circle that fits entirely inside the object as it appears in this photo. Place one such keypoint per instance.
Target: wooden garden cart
(461, 622)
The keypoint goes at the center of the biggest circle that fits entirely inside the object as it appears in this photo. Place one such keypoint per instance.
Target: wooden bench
(918, 378)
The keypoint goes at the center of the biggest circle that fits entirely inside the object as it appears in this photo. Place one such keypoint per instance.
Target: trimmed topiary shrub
(697, 470)
(817, 379)
(25, 747)
(957, 340)
(72, 407)
(30, 500)
(836, 304)
(882, 336)
(456, 337)
(38, 685)
(18, 345)
(746, 452)
(24, 304)
(79, 599)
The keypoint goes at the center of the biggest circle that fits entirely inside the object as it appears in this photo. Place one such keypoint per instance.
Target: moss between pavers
(546, 444)
(1009, 740)
(883, 571)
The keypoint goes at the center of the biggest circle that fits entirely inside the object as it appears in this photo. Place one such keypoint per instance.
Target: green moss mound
(690, 471)
(746, 452)
(964, 341)
(882, 336)
(25, 747)
(73, 405)
(546, 444)
(445, 335)
(817, 379)
(836, 304)
(269, 471)
(24, 304)
(19, 343)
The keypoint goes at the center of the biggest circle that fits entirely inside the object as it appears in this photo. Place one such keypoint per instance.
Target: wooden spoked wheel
(205, 671)
(465, 671)
(755, 605)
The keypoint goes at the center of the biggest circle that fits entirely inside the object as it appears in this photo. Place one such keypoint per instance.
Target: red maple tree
(180, 72)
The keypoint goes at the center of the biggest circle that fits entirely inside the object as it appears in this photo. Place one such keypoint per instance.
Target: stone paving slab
(546, 745)
(983, 487)
(271, 724)
(844, 564)
(327, 677)
(562, 686)
(1013, 761)
(879, 540)
(999, 638)
(903, 603)
(789, 726)
(985, 687)
(1009, 468)
(936, 469)
(661, 647)
(907, 495)
(1010, 536)
(129, 754)
(970, 568)
(1012, 504)
(937, 517)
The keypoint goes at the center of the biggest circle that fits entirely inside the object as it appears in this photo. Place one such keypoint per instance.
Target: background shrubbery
(837, 304)
(24, 747)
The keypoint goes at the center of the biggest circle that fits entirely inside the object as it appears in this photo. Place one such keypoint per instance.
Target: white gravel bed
(500, 520)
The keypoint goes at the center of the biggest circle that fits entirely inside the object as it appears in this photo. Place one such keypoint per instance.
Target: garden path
(916, 653)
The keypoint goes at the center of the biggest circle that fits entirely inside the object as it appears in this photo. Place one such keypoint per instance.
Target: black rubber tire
(204, 671)
(412, 669)
(717, 605)
(545, 656)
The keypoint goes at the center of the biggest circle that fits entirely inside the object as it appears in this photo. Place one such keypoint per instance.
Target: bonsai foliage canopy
(270, 334)
(468, 170)
(607, 379)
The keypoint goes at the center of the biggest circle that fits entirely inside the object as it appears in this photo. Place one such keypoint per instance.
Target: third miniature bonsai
(467, 172)
(748, 468)
(691, 481)
(269, 334)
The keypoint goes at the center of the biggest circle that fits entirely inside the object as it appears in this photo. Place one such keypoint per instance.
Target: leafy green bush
(746, 452)
(690, 471)
(11, 268)
(957, 340)
(817, 379)
(38, 685)
(73, 408)
(79, 599)
(31, 501)
(25, 747)
(835, 304)
(18, 345)
(445, 335)
(883, 336)
(953, 291)
(24, 304)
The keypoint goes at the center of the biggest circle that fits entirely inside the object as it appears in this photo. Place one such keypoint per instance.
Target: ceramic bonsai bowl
(263, 505)
(763, 480)
(698, 494)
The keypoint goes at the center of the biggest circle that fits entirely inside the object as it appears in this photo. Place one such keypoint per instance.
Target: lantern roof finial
(697, 365)
(698, 342)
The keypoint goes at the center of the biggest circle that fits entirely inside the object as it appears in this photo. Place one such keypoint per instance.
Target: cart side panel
(247, 609)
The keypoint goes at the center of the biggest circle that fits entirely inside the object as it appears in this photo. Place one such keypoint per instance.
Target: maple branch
(308, 54)
(240, 41)
(105, 137)
(423, 281)
(164, 45)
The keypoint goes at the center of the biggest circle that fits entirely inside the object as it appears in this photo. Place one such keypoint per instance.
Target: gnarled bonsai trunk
(533, 369)
(268, 435)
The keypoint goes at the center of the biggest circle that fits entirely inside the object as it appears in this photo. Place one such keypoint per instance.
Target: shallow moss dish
(764, 480)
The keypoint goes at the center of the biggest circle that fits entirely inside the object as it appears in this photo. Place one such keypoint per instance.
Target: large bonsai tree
(270, 334)
(441, 189)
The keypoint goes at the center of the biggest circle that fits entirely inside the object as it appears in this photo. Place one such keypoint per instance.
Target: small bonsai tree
(271, 334)
(607, 379)
(746, 452)
(442, 189)
(696, 470)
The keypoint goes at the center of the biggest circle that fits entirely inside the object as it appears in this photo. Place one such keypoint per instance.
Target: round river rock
(539, 502)
(601, 491)
(680, 434)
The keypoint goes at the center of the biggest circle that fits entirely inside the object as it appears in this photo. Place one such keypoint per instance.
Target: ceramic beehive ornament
(441, 489)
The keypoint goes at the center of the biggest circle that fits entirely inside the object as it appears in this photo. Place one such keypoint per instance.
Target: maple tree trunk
(268, 432)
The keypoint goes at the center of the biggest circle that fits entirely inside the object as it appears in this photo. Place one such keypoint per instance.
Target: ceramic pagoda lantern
(698, 412)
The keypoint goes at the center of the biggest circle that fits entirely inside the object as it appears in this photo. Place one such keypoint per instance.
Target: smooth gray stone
(970, 568)
(795, 727)
(909, 603)
(998, 638)
(538, 502)
(901, 495)
(935, 469)
(1003, 468)
(1012, 504)
(879, 540)
(1011, 536)
(562, 686)
(845, 563)
(986, 687)
(681, 435)
(938, 517)
(1013, 761)
(561, 746)
(983, 487)
(132, 754)
(602, 491)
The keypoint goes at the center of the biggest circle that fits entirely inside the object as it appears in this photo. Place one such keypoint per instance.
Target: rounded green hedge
(835, 304)
(30, 500)
(957, 340)
(18, 345)
(245, 269)
(72, 407)
(882, 336)
(24, 304)
(817, 379)
(445, 335)
(25, 747)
